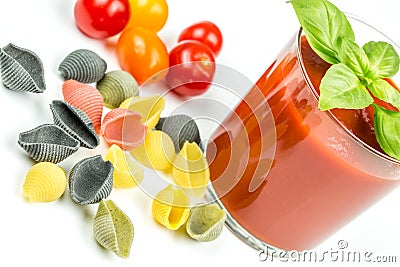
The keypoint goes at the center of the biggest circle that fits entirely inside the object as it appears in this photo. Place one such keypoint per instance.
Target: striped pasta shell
(21, 70)
(149, 107)
(180, 128)
(83, 65)
(116, 86)
(91, 180)
(75, 122)
(205, 222)
(86, 98)
(49, 143)
(170, 207)
(190, 170)
(124, 128)
(44, 182)
(113, 229)
(156, 152)
(127, 172)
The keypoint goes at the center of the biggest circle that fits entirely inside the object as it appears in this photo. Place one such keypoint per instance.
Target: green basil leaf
(387, 130)
(384, 91)
(341, 88)
(353, 56)
(323, 23)
(383, 58)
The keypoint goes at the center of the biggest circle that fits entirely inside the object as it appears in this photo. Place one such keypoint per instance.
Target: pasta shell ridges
(48, 143)
(44, 182)
(116, 86)
(21, 69)
(84, 66)
(91, 180)
(156, 152)
(113, 229)
(86, 98)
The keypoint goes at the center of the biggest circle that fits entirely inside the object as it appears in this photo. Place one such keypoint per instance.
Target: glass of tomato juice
(326, 167)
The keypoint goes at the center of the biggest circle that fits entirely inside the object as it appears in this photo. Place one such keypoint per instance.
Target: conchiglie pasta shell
(190, 170)
(116, 86)
(156, 152)
(149, 107)
(83, 65)
(180, 128)
(127, 172)
(91, 180)
(113, 229)
(86, 98)
(21, 70)
(48, 142)
(124, 128)
(75, 122)
(205, 222)
(44, 182)
(170, 207)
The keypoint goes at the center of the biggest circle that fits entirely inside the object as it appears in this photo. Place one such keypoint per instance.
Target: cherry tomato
(192, 68)
(101, 18)
(205, 32)
(149, 14)
(142, 53)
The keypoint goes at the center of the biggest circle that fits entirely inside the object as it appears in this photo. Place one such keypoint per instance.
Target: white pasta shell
(113, 229)
(48, 142)
(21, 69)
(91, 180)
(44, 182)
(205, 222)
(75, 122)
(84, 66)
(170, 207)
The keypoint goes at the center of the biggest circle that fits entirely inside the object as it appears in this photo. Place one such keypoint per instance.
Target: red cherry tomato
(149, 14)
(192, 68)
(100, 19)
(143, 54)
(205, 32)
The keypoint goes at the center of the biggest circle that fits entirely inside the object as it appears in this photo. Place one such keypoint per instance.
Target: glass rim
(376, 152)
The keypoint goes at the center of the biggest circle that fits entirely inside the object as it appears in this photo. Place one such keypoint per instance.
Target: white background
(60, 233)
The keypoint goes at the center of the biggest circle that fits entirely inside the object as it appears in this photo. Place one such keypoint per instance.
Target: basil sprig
(356, 72)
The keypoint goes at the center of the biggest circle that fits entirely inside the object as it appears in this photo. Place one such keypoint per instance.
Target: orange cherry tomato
(149, 14)
(143, 54)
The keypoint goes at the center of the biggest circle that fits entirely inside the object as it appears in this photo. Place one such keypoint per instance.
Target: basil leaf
(384, 91)
(323, 23)
(341, 88)
(383, 58)
(387, 130)
(353, 56)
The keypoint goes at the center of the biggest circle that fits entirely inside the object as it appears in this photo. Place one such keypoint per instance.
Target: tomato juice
(326, 170)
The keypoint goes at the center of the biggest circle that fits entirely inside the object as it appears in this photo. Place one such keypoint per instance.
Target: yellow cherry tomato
(149, 14)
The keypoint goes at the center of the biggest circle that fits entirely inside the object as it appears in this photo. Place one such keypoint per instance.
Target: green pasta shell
(205, 222)
(113, 229)
(116, 86)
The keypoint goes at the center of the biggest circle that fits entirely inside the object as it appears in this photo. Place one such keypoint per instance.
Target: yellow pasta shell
(171, 207)
(149, 107)
(205, 222)
(44, 182)
(127, 172)
(113, 229)
(157, 151)
(190, 170)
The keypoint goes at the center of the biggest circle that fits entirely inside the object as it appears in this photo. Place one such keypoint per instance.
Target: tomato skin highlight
(192, 68)
(143, 54)
(100, 19)
(205, 32)
(149, 14)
